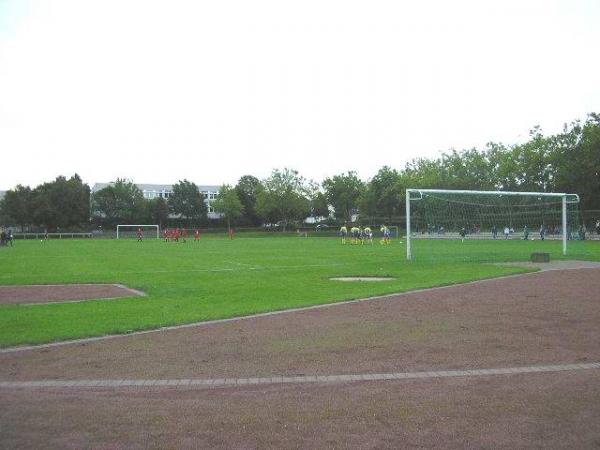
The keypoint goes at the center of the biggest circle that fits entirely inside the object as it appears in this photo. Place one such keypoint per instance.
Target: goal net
(394, 232)
(490, 215)
(130, 231)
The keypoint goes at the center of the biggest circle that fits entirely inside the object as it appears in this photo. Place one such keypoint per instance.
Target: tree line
(568, 161)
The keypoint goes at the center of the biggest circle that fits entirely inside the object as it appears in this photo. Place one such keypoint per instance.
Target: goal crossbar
(571, 198)
(564, 197)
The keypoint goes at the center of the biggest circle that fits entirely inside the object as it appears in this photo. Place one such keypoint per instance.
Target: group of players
(171, 235)
(175, 234)
(360, 235)
(6, 237)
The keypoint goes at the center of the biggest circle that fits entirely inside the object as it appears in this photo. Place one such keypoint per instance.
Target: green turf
(217, 278)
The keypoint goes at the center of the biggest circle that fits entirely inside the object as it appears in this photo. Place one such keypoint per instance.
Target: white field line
(244, 265)
(239, 268)
(286, 379)
(62, 302)
(133, 292)
(224, 269)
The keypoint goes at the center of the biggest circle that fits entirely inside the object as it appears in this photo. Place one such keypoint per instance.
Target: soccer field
(217, 278)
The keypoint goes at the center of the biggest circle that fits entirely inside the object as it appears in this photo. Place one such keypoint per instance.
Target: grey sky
(209, 91)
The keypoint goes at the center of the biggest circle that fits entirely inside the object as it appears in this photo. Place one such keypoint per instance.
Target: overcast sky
(158, 91)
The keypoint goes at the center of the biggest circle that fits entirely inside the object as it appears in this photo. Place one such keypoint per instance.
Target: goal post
(130, 231)
(447, 214)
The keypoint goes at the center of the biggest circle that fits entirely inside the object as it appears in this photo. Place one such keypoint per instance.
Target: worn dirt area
(545, 411)
(18, 295)
(543, 318)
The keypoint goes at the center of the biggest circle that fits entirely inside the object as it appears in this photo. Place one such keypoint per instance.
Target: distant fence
(300, 232)
(52, 235)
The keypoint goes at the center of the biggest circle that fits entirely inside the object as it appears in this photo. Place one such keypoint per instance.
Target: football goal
(130, 231)
(467, 215)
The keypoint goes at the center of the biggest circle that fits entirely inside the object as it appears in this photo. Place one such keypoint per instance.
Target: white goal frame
(561, 195)
(138, 226)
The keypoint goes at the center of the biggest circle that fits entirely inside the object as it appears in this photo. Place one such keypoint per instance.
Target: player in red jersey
(196, 235)
(166, 235)
(176, 235)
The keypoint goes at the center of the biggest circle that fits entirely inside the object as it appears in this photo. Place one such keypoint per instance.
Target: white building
(151, 191)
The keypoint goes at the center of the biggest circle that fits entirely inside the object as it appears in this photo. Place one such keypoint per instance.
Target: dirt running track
(544, 318)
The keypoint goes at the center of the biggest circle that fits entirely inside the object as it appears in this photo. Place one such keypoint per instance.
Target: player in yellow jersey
(368, 235)
(386, 234)
(355, 232)
(343, 233)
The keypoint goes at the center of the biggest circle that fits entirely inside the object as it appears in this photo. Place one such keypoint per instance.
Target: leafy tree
(248, 188)
(578, 162)
(158, 210)
(319, 205)
(228, 203)
(367, 203)
(62, 203)
(16, 206)
(343, 192)
(467, 169)
(187, 202)
(534, 163)
(383, 194)
(503, 168)
(283, 197)
(120, 203)
(425, 173)
(4, 216)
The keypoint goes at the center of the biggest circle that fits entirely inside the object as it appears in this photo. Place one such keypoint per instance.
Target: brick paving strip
(228, 382)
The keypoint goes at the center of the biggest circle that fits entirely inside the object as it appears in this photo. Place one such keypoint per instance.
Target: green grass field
(217, 278)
